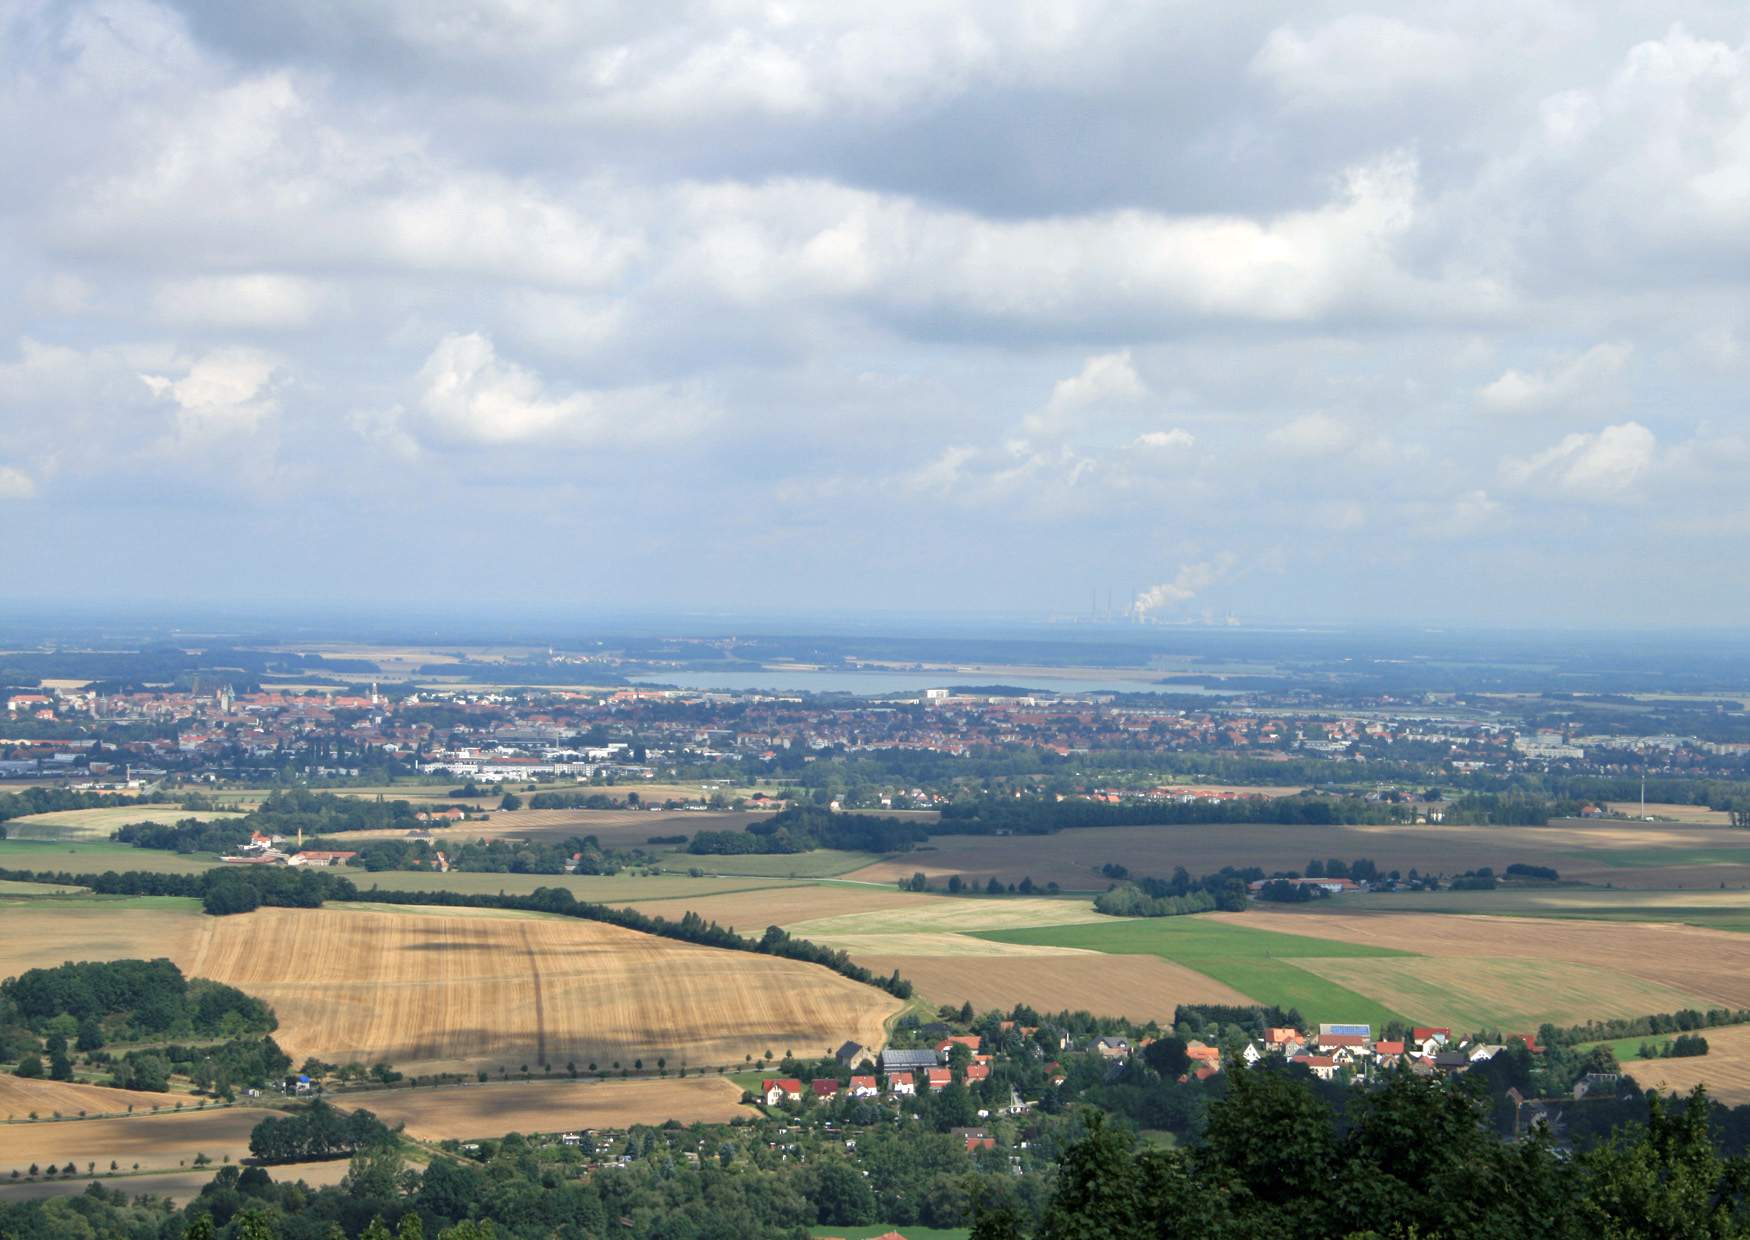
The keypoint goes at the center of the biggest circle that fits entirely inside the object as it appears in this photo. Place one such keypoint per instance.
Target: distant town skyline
(1300, 313)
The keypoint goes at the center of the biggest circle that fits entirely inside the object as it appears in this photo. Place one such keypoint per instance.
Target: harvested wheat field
(1711, 966)
(779, 905)
(42, 933)
(954, 915)
(19, 1097)
(551, 1106)
(1725, 1069)
(430, 989)
(181, 1187)
(1139, 987)
(156, 1142)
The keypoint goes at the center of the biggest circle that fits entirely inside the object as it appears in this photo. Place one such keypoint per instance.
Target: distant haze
(1427, 314)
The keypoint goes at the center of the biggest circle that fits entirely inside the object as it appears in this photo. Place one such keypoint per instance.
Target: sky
(1421, 313)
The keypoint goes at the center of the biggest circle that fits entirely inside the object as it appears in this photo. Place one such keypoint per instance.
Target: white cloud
(15, 483)
(222, 392)
(1312, 434)
(1579, 377)
(1104, 381)
(1360, 57)
(468, 394)
(1178, 437)
(260, 300)
(1605, 465)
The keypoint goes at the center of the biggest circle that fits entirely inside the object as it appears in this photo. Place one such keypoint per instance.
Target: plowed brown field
(430, 988)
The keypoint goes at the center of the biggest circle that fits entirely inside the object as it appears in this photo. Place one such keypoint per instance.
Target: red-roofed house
(1322, 1066)
(939, 1078)
(901, 1083)
(824, 1088)
(970, 1041)
(781, 1089)
(864, 1087)
(977, 1072)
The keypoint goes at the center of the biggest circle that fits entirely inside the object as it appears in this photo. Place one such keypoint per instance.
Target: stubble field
(20, 1097)
(1725, 1069)
(552, 1106)
(436, 990)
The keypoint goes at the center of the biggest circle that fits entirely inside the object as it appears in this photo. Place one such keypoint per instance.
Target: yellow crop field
(1725, 1069)
(156, 1142)
(100, 822)
(952, 915)
(20, 1097)
(429, 989)
(41, 933)
(551, 1106)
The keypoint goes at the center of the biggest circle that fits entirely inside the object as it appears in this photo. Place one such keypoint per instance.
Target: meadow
(95, 858)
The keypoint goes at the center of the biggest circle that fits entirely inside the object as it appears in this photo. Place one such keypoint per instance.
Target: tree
(1099, 1193)
(511, 801)
(841, 1195)
(29, 1066)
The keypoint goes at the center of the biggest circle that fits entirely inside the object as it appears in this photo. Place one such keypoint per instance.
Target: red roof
(789, 1084)
(864, 1082)
(1422, 1035)
(824, 1088)
(1389, 1048)
(977, 1071)
(1342, 1039)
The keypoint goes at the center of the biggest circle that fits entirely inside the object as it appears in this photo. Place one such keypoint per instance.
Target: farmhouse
(781, 1089)
(320, 857)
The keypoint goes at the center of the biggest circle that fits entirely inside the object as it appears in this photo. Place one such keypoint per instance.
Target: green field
(89, 858)
(1257, 962)
(821, 863)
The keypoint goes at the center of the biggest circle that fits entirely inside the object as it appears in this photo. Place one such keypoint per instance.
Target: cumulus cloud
(223, 392)
(1577, 377)
(1177, 437)
(1604, 465)
(1104, 381)
(1190, 581)
(468, 394)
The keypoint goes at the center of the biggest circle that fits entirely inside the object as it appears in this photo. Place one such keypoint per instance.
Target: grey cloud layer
(950, 307)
